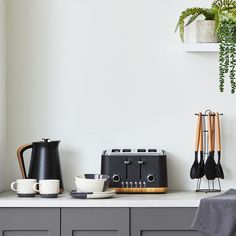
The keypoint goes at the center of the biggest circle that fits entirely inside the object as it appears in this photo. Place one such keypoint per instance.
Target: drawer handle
(127, 162)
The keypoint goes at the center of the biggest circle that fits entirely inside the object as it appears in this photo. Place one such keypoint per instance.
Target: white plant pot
(206, 31)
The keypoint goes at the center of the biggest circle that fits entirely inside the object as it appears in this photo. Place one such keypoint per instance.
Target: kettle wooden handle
(20, 157)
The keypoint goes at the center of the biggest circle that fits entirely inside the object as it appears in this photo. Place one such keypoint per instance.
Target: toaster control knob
(144, 184)
(116, 178)
(151, 178)
(131, 184)
(126, 184)
(122, 184)
(135, 184)
(140, 184)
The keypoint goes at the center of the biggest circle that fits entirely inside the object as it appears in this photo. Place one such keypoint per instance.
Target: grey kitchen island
(168, 214)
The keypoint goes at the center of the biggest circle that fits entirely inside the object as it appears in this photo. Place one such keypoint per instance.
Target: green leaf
(192, 19)
(177, 26)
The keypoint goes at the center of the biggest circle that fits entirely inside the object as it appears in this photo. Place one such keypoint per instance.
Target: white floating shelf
(201, 47)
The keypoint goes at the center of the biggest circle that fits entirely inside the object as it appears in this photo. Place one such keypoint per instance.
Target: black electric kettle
(44, 163)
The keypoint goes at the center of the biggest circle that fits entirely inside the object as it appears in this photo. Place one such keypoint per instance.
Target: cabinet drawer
(168, 233)
(25, 233)
(162, 222)
(29, 221)
(95, 222)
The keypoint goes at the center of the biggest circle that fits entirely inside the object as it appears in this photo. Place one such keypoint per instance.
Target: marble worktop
(170, 199)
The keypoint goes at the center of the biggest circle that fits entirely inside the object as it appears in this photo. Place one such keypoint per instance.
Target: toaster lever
(127, 162)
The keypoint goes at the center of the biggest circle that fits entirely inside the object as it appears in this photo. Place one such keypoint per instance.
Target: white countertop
(170, 199)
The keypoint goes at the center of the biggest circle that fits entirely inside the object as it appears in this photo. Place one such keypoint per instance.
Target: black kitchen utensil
(210, 165)
(44, 162)
(194, 171)
(201, 163)
(219, 169)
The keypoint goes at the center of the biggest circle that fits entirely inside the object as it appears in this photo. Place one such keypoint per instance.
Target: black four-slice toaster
(135, 170)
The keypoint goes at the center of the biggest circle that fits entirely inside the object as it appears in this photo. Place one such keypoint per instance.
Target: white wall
(2, 95)
(108, 73)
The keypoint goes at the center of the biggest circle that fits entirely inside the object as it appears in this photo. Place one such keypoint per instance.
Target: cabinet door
(29, 221)
(162, 222)
(95, 222)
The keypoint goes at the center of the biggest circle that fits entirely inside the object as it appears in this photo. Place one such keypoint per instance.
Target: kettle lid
(46, 140)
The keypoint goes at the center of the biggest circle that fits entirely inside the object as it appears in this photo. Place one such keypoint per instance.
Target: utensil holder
(211, 185)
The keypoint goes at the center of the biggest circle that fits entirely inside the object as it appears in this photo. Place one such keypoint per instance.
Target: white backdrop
(2, 96)
(104, 74)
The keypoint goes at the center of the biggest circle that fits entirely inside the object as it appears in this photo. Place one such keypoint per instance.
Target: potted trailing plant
(222, 15)
(212, 18)
(192, 14)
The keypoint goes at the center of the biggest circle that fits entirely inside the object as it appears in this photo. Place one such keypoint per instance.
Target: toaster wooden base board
(141, 190)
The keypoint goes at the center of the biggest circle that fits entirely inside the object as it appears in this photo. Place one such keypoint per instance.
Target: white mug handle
(35, 187)
(12, 186)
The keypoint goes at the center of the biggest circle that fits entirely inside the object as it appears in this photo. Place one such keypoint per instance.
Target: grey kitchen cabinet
(95, 222)
(29, 221)
(162, 222)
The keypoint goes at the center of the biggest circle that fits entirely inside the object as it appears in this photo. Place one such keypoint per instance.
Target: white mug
(24, 187)
(48, 187)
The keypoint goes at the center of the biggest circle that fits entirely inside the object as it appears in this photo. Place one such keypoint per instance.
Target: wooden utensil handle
(218, 137)
(20, 157)
(209, 132)
(213, 131)
(201, 134)
(197, 132)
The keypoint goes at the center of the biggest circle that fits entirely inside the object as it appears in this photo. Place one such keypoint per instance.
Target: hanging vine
(227, 53)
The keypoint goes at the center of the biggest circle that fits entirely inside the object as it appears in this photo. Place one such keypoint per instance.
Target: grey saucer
(49, 195)
(26, 194)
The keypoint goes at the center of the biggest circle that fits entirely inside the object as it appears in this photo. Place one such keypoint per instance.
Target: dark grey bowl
(96, 176)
